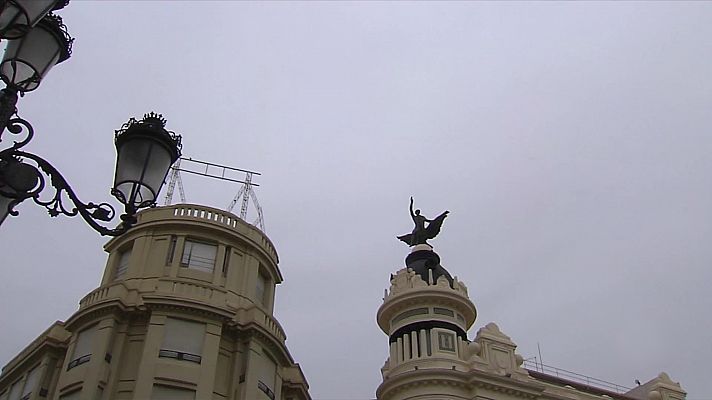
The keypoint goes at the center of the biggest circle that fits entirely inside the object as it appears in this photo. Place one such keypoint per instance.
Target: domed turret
(426, 314)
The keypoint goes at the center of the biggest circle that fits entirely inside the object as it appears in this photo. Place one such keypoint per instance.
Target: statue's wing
(434, 227)
(406, 238)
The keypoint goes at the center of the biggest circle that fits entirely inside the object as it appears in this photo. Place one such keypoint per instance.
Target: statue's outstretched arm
(412, 214)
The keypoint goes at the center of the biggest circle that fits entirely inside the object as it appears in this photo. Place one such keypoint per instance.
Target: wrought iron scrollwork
(90, 212)
(28, 182)
(8, 191)
(21, 180)
(19, 126)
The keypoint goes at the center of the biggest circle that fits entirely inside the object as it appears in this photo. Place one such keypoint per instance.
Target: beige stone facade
(426, 315)
(184, 311)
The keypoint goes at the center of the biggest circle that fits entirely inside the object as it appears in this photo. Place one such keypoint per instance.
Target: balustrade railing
(220, 217)
(533, 365)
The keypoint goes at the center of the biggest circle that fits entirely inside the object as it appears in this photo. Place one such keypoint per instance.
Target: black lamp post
(145, 149)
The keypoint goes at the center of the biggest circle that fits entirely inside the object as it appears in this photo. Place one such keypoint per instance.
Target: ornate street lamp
(145, 152)
(28, 59)
(145, 149)
(17, 17)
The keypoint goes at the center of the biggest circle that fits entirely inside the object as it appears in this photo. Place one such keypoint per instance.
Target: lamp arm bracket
(90, 212)
(18, 126)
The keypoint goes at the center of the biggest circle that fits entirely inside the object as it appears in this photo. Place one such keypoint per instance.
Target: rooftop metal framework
(221, 172)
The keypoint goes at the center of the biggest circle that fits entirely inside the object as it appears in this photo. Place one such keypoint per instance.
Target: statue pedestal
(421, 252)
(426, 263)
(421, 247)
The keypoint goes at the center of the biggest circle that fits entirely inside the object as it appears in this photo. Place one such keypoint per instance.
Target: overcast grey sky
(570, 141)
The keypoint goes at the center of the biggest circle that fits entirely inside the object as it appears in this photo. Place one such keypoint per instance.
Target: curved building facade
(184, 311)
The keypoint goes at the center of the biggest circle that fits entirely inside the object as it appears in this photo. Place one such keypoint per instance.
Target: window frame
(74, 394)
(37, 369)
(264, 298)
(226, 260)
(169, 388)
(84, 358)
(179, 354)
(267, 360)
(172, 245)
(121, 270)
(188, 244)
(447, 341)
(15, 386)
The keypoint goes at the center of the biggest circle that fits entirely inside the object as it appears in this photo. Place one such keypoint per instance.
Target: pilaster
(177, 255)
(253, 354)
(211, 351)
(147, 366)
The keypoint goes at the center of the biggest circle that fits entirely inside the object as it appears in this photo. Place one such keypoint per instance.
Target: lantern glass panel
(19, 16)
(28, 60)
(141, 168)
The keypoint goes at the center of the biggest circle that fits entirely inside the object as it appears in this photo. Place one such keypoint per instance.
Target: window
(71, 396)
(123, 265)
(409, 313)
(200, 256)
(226, 261)
(183, 340)
(82, 348)
(14, 392)
(267, 373)
(265, 389)
(262, 289)
(161, 392)
(171, 250)
(446, 341)
(33, 378)
(443, 311)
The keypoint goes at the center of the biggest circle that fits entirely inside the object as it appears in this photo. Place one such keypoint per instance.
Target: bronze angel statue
(421, 233)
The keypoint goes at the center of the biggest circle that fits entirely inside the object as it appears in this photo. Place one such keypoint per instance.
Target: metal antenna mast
(175, 179)
(245, 196)
(222, 172)
(246, 192)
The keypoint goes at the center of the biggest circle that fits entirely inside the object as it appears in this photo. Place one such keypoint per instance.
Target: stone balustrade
(210, 215)
(204, 293)
(273, 326)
